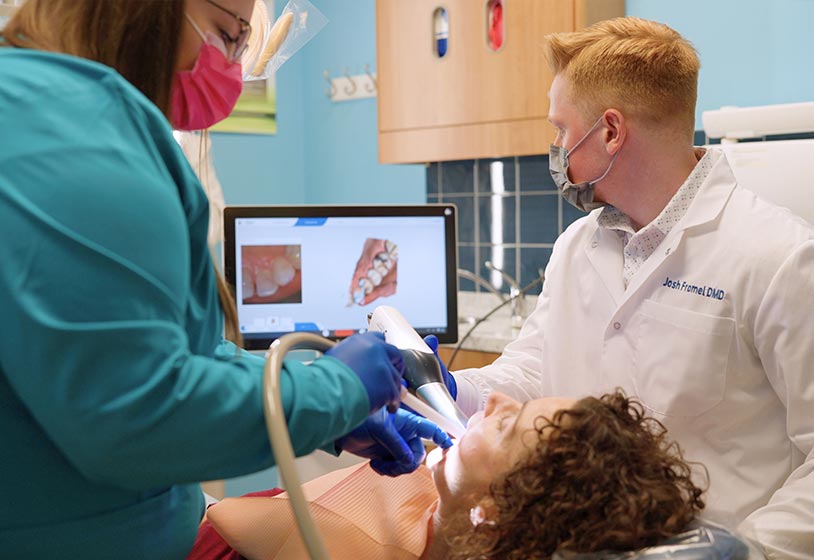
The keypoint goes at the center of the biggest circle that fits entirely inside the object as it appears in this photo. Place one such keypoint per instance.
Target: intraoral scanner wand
(422, 370)
(425, 410)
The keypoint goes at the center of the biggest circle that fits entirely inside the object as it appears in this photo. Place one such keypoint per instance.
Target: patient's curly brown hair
(603, 476)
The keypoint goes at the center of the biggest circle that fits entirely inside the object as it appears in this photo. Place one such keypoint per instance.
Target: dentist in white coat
(681, 287)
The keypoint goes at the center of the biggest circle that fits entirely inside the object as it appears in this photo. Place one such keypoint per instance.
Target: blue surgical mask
(581, 194)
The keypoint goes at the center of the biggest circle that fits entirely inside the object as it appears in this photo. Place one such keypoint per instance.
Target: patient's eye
(502, 421)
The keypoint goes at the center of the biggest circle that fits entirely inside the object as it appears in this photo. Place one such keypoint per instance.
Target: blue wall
(342, 140)
(255, 169)
(324, 152)
(753, 52)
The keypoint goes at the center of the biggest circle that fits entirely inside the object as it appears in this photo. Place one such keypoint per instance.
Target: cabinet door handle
(440, 21)
(495, 26)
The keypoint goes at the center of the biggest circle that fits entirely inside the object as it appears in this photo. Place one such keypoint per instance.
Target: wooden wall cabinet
(474, 102)
(466, 358)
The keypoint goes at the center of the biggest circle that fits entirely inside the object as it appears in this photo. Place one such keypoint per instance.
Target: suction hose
(280, 439)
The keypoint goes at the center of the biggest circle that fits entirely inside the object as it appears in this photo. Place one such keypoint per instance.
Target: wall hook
(351, 88)
(373, 85)
(329, 93)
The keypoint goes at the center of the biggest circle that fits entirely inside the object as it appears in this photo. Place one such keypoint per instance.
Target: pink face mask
(206, 94)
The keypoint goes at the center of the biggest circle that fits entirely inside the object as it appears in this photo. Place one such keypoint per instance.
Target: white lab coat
(729, 371)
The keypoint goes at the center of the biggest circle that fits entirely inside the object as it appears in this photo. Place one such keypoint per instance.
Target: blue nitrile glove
(452, 386)
(392, 441)
(378, 364)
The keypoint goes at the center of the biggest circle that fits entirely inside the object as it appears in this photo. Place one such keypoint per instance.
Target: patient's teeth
(366, 285)
(283, 272)
(248, 283)
(358, 296)
(266, 285)
(374, 276)
(292, 253)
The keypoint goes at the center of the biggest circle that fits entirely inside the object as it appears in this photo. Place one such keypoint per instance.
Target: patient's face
(495, 439)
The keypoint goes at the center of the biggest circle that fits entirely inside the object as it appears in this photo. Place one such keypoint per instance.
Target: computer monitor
(323, 269)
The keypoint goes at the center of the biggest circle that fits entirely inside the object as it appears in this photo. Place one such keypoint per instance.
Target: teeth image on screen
(271, 274)
(376, 272)
(334, 270)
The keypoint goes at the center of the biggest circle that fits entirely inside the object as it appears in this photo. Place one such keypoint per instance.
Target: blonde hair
(643, 68)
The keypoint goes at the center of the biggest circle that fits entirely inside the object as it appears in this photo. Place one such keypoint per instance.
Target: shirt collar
(614, 219)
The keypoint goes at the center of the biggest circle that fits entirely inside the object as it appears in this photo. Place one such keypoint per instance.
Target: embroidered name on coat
(698, 290)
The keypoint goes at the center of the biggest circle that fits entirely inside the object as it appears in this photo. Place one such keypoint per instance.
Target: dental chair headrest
(702, 541)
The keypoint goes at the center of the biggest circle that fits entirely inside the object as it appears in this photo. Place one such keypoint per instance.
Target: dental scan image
(376, 272)
(325, 269)
(271, 274)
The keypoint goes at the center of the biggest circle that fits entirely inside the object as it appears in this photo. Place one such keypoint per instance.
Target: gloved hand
(452, 386)
(392, 441)
(379, 366)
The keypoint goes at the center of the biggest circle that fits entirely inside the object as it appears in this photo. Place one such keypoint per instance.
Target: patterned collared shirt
(639, 245)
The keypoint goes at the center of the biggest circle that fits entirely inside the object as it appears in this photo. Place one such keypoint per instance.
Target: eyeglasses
(237, 44)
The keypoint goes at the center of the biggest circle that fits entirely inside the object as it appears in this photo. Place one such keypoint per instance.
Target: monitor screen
(323, 269)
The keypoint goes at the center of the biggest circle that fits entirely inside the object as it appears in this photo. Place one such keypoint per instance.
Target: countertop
(494, 333)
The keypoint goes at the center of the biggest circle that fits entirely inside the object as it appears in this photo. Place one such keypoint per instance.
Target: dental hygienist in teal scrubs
(117, 393)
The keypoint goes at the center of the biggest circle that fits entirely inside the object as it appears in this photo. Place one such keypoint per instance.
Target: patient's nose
(497, 401)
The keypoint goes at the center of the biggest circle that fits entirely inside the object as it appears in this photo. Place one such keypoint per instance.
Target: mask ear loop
(195, 27)
(613, 159)
(207, 38)
(605, 174)
(581, 140)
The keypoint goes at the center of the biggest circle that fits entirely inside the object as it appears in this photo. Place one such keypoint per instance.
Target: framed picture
(255, 112)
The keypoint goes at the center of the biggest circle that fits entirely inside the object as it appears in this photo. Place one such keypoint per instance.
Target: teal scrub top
(117, 393)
